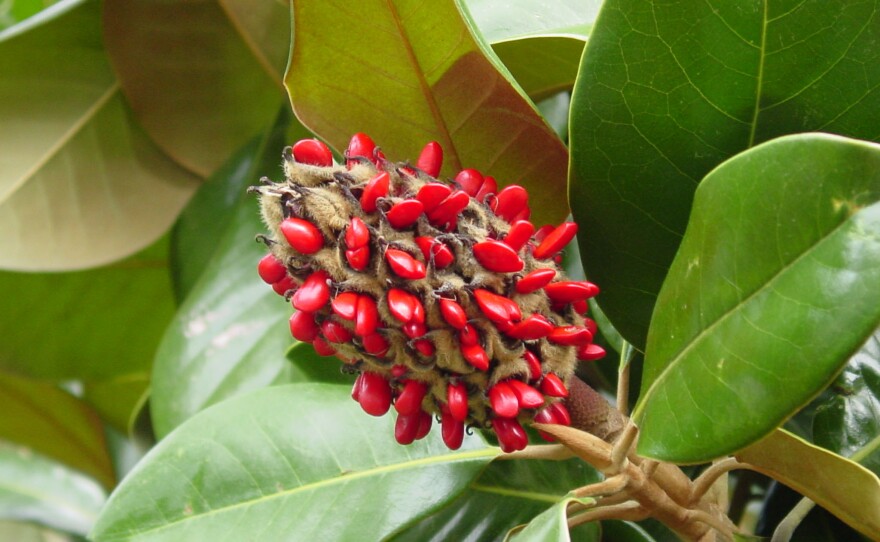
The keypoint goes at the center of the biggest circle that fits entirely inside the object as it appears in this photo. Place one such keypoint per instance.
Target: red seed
(532, 328)
(489, 186)
(398, 371)
(358, 387)
(406, 428)
(431, 194)
(360, 145)
(520, 231)
(503, 400)
(414, 329)
(345, 305)
(457, 401)
(545, 416)
(581, 307)
(405, 213)
(448, 209)
(498, 309)
(560, 413)
(356, 234)
(476, 356)
(431, 159)
(497, 256)
(410, 399)
(453, 313)
(527, 396)
(418, 311)
(534, 365)
(553, 386)
(570, 336)
(302, 235)
(404, 265)
(470, 180)
(437, 249)
(542, 232)
(525, 214)
(425, 421)
(313, 294)
(535, 280)
(303, 326)
(468, 335)
(424, 347)
(367, 316)
(511, 435)
(590, 352)
(270, 269)
(375, 344)
(284, 285)
(376, 188)
(591, 325)
(568, 291)
(452, 430)
(335, 332)
(322, 347)
(312, 152)
(375, 394)
(556, 240)
(510, 202)
(402, 304)
(358, 258)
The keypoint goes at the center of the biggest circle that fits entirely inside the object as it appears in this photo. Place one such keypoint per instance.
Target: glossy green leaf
(316, 368)
(848, 422)
(74, 171)
(625, 531)
(202, 77)
(300, 461)
(54, 423)
(669, 90)
(843, 487)
(408, 72)
(33, 488)
(774, 288)
(552, 524)
(15, 11)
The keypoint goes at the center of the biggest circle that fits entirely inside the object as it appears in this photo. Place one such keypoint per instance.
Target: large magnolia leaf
(80, 185)
(407, 72)
(843, 487)
(202, 77)
(33, 488)
(552, 525)
(669, 90)
(290, 462)
(774, 288)
(54, 423)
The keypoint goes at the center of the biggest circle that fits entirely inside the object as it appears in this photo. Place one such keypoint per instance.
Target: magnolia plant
(608, 270)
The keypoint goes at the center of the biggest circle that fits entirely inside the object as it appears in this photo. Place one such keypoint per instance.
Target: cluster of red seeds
(441, 295)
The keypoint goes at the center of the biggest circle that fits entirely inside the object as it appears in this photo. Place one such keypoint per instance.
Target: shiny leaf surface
(552, 524)
(347, 63)
(765, 303)
(667, 91)
(283, 462)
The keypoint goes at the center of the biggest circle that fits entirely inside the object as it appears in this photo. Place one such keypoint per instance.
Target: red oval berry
(425, 421)
(375, 344)
(410, 399)
(447, 211)
(519, 233)
(511, 435)
(468, 335)
(556, 240)
(312, 152)
(534, 364)
(398, 371)
(376, 188)
(431, 194)
(568, 291)
(475, 356)
(532, 328)
(527, 396)
(367, 318)
(503, 400)
(545, 416)
(525, 214)
(356, 234)
(403, 265)
(302, 235)
(535, 280)
(357, 387)
(284, 285)
(437, 250)
(345, 305)
(498, 309)
(335, 332)
(470, 180)
(497, 256)
(270, 269)
(375, 394)
(424, 347)
(414, 329)
(405, 213)
(431, 159)
(590, 352)
(489, 186)
(360, 145)
(358, 258)
(303, 326)
(510, 202)
(457, 401)
(322, 347)
(452, 430)
(553, 386)
(591, 325)
(406, 428)
(560, 413)
(313, 294)
(453, 313)
(402, 304)
(570, 336)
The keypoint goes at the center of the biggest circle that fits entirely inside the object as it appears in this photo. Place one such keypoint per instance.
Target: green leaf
(407, 72)
(54, 423)
(33, 488)
(202, 77)
(552, 524)
(625, 531)
(74, 172)
(299, 461)
(317, 368)
(843, 487)
(15, 11)
(507, 494)
(774, 288)
(667, 91)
